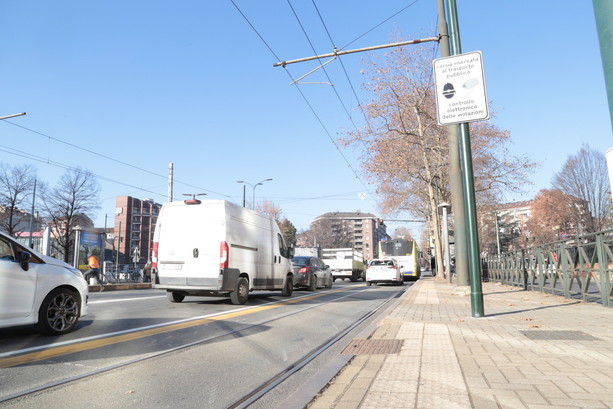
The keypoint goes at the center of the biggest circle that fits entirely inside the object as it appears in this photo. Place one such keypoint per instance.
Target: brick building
(134, 225)
(364, 229)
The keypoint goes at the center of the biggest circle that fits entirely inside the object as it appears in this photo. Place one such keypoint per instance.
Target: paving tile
(377, 400)
(447, 355)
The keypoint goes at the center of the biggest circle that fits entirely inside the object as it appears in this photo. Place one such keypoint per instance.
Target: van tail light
(224, 255)
(154, 255)
(303, 270)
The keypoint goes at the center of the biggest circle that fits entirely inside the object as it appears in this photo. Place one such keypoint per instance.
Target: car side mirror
(24, 260)
(326, 266)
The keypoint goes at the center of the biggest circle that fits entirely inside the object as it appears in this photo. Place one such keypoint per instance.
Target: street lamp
(253, 187)
(447, 261)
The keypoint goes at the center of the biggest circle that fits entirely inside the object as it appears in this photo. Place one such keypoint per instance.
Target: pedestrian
(147, 272)
(94, 269)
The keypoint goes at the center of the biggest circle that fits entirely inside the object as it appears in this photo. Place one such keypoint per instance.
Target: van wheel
(174, 296)
(59, 312)
(368, 283)
(330, 281)
(289, 287)
(313, 283)
(241, 294)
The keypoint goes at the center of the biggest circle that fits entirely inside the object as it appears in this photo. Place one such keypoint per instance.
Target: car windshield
(300, 261)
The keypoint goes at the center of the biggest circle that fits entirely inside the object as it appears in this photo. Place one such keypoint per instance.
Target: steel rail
(273, 382)
(205, 340)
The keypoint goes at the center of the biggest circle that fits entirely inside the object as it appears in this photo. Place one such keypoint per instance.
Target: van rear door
(189, 239)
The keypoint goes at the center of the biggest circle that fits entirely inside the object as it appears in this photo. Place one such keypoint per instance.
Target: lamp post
(253, 186)
(445, 207)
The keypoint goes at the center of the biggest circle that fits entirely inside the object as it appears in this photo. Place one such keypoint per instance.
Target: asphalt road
(136, 349)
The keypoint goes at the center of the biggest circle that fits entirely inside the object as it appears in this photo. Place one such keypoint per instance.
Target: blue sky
(147, 83)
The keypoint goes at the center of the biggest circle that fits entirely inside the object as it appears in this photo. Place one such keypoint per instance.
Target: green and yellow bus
(406, 253)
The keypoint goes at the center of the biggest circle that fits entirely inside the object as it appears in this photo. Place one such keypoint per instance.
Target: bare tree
(406, 152)
(16, 185)
(70, 204)
(585, 176)
(288, 230)
(328, 234)
(403, 233)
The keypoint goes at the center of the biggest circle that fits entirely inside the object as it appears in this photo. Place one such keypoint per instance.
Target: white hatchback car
(384, 270)
(40, 290)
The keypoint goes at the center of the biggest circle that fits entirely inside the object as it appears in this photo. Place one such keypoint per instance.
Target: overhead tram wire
(110, 158)
(322, 66)
(303, 96)
(26, 155)
(333, 88)
(378, 25)
(340, 60)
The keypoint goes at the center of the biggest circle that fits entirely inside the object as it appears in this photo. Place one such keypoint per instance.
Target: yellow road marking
(86, 345)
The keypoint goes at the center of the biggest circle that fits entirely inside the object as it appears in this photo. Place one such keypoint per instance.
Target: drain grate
(373, 346)
(559, 335)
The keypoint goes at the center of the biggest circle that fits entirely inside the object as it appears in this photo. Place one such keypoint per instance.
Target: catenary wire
(303, 96)
(26, 155)
(378, 25)
(340, 60)
(110, 158)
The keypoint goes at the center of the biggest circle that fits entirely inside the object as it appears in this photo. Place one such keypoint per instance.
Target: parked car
(311, 272)
(384, 270)
(40, 290)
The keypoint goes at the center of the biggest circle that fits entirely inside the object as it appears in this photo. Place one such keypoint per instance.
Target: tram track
(256, 393)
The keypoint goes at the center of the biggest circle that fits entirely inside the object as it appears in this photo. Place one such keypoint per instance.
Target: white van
(38, 289)
(214, 247)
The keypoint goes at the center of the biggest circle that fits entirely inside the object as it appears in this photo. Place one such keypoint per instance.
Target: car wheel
(241, 294)
(174, 296)
(289, 287)
(313, 283)
(330, 281)
(59, 312)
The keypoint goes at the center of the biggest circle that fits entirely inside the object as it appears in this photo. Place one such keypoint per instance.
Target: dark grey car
(311, 272)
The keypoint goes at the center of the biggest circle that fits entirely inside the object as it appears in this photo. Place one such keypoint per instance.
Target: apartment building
(365, 230)
(134, 225)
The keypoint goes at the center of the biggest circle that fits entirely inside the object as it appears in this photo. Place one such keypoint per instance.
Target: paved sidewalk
(531, 350)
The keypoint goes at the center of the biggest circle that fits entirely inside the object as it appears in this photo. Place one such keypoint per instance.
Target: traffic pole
(474, 262)
(455, 173)
(603, 10)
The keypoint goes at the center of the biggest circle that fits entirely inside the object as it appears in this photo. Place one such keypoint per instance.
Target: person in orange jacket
(94, 268)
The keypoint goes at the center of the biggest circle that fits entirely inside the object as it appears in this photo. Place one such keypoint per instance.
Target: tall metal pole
(253, 197)
(497, 233)
(455, 173)
(447, 256)
(170, 180)
(474, 262)
(603, 9)
(32, 216)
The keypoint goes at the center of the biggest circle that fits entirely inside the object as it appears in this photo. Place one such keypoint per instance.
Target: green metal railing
(581, 268)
